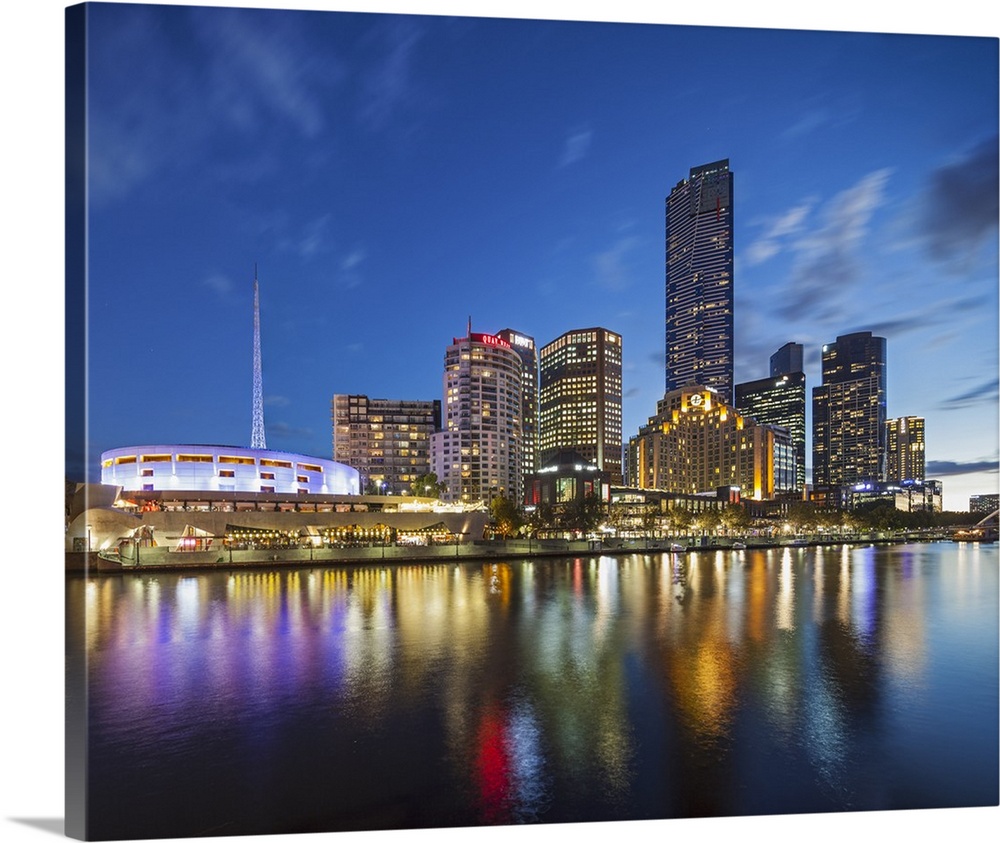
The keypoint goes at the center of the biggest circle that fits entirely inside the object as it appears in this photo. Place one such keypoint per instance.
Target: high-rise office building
(787, 359)
(699, 280)
(387, 441)
(697, 443)
(580, 398)
(477, 453)
(526, 350)
(904, 449)
(849, 412)
(780, 400)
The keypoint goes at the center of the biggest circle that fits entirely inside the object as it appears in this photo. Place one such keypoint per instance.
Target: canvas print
(481, 422)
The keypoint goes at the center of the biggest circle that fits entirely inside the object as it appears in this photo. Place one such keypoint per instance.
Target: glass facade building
(849, 412)
(580, 398)
(699, 280)
(779, 400)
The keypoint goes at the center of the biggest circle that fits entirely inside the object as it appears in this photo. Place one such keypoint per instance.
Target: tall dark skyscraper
(699, 280)
(779, 400)
(526, 350)
(849, 412)
(787, 359)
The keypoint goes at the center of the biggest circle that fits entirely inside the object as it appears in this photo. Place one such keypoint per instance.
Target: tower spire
(257, 430)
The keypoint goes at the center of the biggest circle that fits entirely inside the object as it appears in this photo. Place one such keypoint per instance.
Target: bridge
(984, 530)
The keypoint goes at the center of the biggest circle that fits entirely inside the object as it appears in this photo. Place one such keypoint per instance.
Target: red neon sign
(489, 339)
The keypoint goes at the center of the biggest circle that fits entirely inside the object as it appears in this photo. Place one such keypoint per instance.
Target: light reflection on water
(671, 685)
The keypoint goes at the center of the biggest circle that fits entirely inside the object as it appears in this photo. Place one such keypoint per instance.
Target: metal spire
(257, 431)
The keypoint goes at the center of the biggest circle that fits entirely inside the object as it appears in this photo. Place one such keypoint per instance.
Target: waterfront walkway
(162, 558)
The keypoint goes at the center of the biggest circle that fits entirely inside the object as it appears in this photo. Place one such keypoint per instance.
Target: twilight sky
(392, 176)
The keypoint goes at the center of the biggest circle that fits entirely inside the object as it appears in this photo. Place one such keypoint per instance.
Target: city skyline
(374, 245)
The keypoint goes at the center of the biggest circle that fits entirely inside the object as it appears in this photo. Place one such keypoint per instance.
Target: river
(790, 680)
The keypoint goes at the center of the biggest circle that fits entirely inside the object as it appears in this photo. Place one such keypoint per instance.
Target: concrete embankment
(161, 558)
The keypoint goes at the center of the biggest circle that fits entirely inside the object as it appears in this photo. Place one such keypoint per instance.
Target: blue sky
(393, 175)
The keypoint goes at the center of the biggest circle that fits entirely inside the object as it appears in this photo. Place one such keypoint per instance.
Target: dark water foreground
(651, 686)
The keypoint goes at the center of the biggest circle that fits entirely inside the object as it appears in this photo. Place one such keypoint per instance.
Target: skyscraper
(477, 454)
(849, 412)
(904, 446)
(780, 400)
(699, 280)
(787, 359)
(580, 398)
(526, 350)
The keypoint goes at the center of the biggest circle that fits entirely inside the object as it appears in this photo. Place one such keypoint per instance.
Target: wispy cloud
(388, 86)
(985, 392)
(827, 262)
(283, 431)
(221, 284)
(576, 147)
(777, 233)
(276, 401)
(959, 206)
(944, 468)
(611, 265)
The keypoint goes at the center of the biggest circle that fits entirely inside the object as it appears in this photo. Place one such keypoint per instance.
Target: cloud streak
(959, 207)
(827, 264)
(946, 468)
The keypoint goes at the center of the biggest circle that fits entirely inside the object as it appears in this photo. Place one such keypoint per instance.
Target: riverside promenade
(163, 558)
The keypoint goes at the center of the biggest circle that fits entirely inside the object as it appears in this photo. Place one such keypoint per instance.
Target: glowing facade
(223, 468)
(904, 445)
(477, 454)
(699, 280)
(528, 352)
(697, 443)
(580, 398)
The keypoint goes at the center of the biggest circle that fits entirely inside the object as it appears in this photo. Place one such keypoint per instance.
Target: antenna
(257, 429)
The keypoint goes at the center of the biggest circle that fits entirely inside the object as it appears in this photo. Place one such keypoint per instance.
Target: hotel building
(849, 412)
(477, 453)
(387, 441)
(904, 449)
(697, 443)
(580, 398)
(527, 351)
(699, 280)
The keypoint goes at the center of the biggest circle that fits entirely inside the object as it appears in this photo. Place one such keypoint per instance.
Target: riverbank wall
(161, 558)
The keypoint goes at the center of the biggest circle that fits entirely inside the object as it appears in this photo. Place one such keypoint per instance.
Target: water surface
(647, 686)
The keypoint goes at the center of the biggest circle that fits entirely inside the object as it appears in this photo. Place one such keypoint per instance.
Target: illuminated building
(477, 453)
(904, 449)
(849, 412)
(526, 350)
(580, 399)
(387, 441)
(906, 496)
(697, 443)
(224, 468)
(699, 280)
(779, 400)
(227, 468)
(565, 478)
(983, 504)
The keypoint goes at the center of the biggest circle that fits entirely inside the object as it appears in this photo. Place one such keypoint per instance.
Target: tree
(506, 515)
(428, 486)
(680, 519)
(735, 518)
(584, 514)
